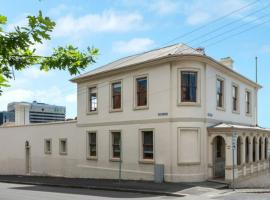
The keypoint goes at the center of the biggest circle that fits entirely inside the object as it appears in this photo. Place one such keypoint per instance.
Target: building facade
(173, 106)
(7, 117)
(36, 112)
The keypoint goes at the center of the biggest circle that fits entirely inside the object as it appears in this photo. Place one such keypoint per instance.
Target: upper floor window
(188, 86)
(92, 99)
(92, 148)
(48, 146)
(247, 102)
(116, 92)
(220, 93)
(141, 92)
(235, 98)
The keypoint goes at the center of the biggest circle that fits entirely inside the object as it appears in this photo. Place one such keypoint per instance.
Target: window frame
(237, 111)
(220, 78)
(142, 160)
(88, 156)
(88, 99)
(111, 96)
(250, 103)
(115, 159)
(135, 104)
(45, 146)
(60, 147)
(179, 87)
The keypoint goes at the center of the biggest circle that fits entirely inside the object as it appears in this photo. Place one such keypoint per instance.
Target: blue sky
(123, 27)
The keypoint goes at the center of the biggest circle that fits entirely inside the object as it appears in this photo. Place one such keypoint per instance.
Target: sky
(120, 28)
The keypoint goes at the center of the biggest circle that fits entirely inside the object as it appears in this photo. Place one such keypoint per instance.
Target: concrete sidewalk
(146, 187)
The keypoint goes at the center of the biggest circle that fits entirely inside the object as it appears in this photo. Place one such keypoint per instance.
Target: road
(27, 192)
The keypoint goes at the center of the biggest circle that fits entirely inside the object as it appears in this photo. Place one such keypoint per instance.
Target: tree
(17, 52)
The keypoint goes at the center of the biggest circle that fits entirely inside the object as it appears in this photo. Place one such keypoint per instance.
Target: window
(92, 99)
(92, 145)
(220, 93)
(116, 144)
(63, 146)
(188, 86)
(141, 92)
(147, 145)
(247, 99)
(235, 97)
(116, 92)
(48, 146)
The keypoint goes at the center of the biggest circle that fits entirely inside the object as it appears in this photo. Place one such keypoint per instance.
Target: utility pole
(256, 68)
(256, 64)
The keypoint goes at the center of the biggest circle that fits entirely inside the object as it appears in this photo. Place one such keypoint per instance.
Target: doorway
(219, 157)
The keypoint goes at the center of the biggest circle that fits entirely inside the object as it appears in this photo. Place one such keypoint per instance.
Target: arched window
(260, 148)
(266, 148)
(254, 149)
(247, 149)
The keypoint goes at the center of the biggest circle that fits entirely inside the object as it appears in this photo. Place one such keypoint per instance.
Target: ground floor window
(63, 146)
(92, 145)
(147, 144)
(48, 146)
(116, 144)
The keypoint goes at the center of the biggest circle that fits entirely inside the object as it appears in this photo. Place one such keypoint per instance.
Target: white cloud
(164, 7)
(107, 21)
(133, 46)
(34, 73)
(201, 11)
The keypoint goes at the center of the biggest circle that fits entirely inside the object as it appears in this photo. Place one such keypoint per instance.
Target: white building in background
(36, 112)
(173, 106)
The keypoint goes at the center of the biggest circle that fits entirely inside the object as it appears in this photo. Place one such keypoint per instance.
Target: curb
(117, 189)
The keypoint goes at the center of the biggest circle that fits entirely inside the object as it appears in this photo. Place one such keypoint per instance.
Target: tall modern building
(35, 112)
(7, 117)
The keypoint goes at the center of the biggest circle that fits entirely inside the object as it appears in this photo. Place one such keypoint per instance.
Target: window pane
(220, 93)
(188, 86)
(148, 145)
(92, 99)
(116, 95)
(116, 148)
(141, 91)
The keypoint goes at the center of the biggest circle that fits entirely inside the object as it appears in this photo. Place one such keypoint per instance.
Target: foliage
(17, 52)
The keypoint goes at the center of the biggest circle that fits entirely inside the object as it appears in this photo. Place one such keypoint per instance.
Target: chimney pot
(228, 62)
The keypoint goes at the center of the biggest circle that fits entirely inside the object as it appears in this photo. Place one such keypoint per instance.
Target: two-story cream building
(174, 106)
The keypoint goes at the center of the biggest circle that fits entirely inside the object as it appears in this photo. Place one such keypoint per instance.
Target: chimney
(200, 50)
(228, 62)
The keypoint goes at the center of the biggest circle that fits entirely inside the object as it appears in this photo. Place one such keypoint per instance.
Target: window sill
(92, 113)
(115, 159)
(248, 114)
(116, 110)
(221, 109)
(146, 161)
(48, 152)
(91, 158)
(188, 163)
(236, 112)
(189, 104)
(141, 108)
(63, 153)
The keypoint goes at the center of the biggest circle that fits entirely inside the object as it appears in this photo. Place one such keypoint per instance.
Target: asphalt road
(27, 192)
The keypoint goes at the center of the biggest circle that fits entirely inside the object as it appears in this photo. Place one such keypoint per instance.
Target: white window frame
(46, 151)
(61, 152)
(113, 159)
(250, 103)
(141, 158)
(237, 111)
(88, 99)
(198, 130)
(224, 93)
(88, 156)
(135, 105)
(111, 97)
(179, 87)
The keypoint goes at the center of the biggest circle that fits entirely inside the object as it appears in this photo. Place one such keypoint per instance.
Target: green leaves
(16, 50)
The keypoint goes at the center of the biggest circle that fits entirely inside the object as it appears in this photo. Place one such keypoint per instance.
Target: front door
(219, 157)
